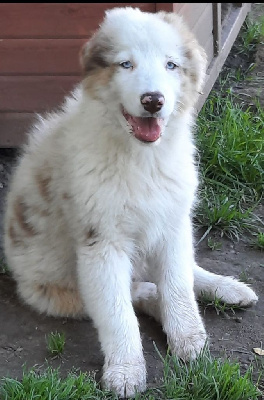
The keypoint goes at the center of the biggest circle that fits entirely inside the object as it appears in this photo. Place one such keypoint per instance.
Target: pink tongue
(145, 129)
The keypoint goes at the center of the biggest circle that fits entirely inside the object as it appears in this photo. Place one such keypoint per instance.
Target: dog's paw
(125, 379)
(143, 291)
(187, 347)
(231, 291)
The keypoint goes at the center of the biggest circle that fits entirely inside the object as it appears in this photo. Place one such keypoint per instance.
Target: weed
(244, 276)
(205, 378)
(216, 303)
(213, 244)
(260, 241)
(251, 34)
(55, 343)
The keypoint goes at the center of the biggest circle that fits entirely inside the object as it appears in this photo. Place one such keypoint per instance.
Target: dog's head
(147, 68)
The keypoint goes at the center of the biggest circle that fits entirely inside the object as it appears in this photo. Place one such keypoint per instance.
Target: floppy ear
(94, 53)
(195, 56)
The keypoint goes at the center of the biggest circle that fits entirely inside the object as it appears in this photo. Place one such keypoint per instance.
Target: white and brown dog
(98, 216)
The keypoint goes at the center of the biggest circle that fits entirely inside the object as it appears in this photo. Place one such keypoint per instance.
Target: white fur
(90, 206)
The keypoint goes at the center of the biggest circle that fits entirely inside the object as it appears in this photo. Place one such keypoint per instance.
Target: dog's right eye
(126, 64)
(171, 65)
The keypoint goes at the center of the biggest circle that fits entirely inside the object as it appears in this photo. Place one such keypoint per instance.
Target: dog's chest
(138, 203)
(149, 211)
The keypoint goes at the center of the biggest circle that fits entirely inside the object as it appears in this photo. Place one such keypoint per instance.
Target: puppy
(98, 216)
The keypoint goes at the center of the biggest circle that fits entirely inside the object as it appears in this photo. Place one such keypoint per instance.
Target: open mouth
(145, 129)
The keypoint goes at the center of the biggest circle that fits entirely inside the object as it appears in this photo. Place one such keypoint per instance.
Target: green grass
(258, 241)
(203, 379)
(49, 385)
(251, 34)
(208, 379)
(230, 142)
(213, 244)
(55, 343)
(244, 276)
(218, 305)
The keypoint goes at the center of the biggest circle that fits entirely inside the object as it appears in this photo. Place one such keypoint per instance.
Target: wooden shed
(40, 44)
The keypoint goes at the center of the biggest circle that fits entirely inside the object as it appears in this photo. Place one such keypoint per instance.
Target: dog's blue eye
(126, 64)
(171, 65)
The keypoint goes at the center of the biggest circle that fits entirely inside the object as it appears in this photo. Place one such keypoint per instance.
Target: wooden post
(217, 28)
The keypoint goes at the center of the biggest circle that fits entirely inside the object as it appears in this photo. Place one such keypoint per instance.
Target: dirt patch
(22, 338)
(22, 335)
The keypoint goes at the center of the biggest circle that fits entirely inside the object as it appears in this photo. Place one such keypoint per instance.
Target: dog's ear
(195, 56)
(94, 53)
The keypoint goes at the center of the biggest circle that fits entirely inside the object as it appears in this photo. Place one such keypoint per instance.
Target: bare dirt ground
(22, 331)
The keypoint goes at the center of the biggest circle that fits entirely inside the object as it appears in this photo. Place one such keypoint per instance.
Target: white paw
(125, 379)
(232, 291)
(188, 347)
(143, 291)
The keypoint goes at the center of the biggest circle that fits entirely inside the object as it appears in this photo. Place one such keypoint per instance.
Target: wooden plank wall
(39, 53)
(39, 57)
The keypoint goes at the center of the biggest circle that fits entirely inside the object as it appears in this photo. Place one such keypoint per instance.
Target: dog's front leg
(173, 274)
(104, 280)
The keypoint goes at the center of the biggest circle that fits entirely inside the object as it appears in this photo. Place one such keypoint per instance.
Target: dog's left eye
(171, 65)
(126, 64)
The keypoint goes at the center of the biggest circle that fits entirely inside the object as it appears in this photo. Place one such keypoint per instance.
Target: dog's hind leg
(228, 289)
(145, 299)
(52, 299)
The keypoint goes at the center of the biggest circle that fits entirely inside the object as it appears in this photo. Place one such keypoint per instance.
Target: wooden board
(34, 93)
(40, 56)
(55, 20)
(191, 12)
(13, 128)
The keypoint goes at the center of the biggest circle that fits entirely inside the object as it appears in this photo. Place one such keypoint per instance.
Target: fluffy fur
(98, 216)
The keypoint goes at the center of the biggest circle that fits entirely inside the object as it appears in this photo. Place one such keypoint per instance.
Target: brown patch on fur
(43, 183)
(193, 78)
(20, 210)
(191, 75)
(13, 235)
(66, 196)
(99, 77)
(97, 68)
(189, 92)
(188, 54)
(95, 59)
(40, 211)
(66, 302)
(44, 213)
(91, 234)
(94, 53)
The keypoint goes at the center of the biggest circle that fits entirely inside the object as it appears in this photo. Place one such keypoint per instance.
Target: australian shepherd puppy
(98, 216)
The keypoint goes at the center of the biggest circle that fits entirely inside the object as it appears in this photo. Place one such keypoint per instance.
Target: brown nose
(152, 101)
